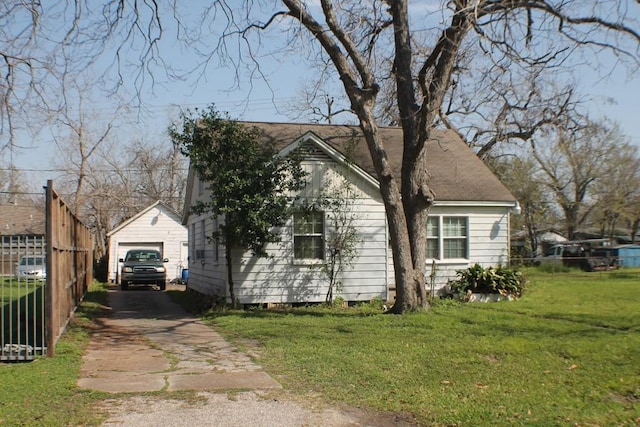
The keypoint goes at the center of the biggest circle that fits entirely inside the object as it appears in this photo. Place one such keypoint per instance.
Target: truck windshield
(143, 256)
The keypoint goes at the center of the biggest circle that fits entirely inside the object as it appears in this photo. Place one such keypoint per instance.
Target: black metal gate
(22, 297)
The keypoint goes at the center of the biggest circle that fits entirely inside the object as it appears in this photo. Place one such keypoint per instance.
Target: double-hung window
(308, 235)
(447, 237)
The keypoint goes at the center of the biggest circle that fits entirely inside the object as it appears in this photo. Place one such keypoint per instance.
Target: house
(22, 231)
(158, 227)
(468, 223)
(547, 238)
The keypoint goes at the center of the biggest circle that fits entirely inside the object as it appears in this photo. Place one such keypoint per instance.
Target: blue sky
(256, 102)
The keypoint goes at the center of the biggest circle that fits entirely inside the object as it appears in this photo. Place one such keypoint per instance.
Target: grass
(12, 289)
(567, 353)
(43, 392)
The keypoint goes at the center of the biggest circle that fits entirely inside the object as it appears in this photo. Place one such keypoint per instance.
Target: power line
(93, 170)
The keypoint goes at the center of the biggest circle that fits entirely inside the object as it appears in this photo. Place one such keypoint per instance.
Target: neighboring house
(22, 227)
(468, 223)
(157, 226)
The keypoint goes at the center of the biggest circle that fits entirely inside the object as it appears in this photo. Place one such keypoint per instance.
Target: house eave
(510, 204)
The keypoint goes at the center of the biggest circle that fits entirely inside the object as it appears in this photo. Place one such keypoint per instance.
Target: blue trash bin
(185, 275)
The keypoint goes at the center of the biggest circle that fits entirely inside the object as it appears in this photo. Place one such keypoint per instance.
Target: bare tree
(161, 173)
(617, 193)
(364, 45)
(571, 160)
(80, 136)
(14, 188)
(500, 107)
(316, 106)
(520, 176)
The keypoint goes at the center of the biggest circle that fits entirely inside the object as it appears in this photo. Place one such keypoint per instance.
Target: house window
(192, 240)
(200, 186)
(308, 235)
(447, 237)
(200, 241)
(433, 237)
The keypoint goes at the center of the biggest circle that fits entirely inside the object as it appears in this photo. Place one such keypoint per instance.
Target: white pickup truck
(588, 255)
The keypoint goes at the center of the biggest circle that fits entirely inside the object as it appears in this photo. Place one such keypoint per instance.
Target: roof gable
(159, 204)
(314, 147)
(457, 174)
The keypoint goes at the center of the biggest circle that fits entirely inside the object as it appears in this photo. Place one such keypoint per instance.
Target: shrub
(477, 279)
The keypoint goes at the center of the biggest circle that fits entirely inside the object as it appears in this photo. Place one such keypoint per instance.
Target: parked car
(588, 255)
(143, 267)
(32, 267)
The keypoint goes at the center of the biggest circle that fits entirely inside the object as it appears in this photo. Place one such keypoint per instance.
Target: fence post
(50, 295)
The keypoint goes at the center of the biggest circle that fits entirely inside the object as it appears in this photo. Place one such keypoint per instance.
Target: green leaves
(249, 183)
(490, 280)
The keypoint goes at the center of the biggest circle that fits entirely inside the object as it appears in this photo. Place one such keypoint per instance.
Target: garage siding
(158, 227)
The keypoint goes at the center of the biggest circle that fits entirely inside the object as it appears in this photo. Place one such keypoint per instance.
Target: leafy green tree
(251, 186)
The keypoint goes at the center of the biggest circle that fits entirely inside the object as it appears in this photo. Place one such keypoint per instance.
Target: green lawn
(566, 354)
(12, 289)
(43, 392)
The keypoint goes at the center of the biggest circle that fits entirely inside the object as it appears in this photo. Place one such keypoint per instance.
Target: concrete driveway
(149, 343)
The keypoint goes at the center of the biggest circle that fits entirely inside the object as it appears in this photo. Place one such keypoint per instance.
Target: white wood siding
(206, 275)
(279, 279)
(488, 241)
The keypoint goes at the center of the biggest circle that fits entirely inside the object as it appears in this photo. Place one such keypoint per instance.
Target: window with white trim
(192, 240)
(201, 241)
(447, 237)
(308, 235)
(433, 237)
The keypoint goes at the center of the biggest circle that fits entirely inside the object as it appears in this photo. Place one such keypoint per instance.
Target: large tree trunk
(409, 275)
(406, 198)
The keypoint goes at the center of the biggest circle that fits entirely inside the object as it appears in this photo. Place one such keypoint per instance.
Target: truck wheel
(162, 285)
(124, 286)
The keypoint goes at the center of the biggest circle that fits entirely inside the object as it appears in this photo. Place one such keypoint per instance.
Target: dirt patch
(240, 408)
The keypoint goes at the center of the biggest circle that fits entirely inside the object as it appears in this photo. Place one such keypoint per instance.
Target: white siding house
(157, 226)
(469, 221)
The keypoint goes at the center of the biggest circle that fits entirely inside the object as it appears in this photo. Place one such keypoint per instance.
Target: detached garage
(156, 227)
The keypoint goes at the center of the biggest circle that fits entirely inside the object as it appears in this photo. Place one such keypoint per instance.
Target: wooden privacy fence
(36, 303)
(69, 246)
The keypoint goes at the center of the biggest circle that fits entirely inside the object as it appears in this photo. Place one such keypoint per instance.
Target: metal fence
(37, 302)
(22, 298)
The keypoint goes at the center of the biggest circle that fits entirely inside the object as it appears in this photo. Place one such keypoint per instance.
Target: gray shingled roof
(21, 219)
(457, 174)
